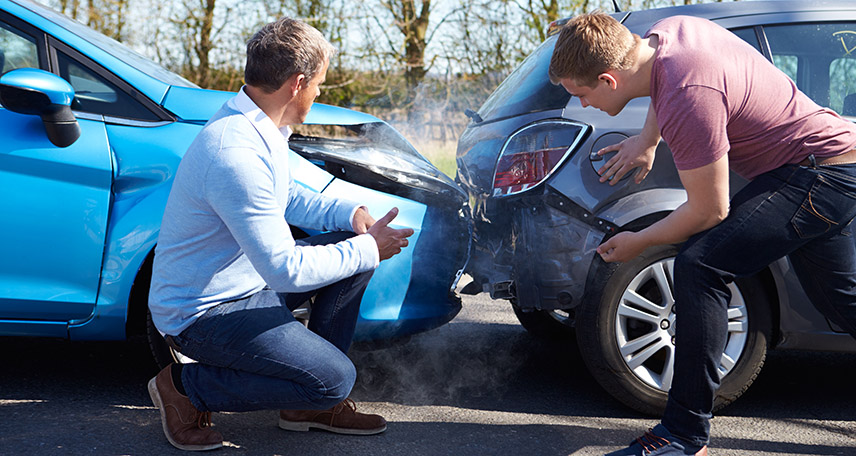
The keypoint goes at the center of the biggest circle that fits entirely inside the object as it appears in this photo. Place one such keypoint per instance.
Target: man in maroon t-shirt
(719, 105)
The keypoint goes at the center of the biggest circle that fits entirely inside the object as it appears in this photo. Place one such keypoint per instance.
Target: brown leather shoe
(185, 427)
(341, 419)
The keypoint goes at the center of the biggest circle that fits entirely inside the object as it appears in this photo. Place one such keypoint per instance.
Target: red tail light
(522, 170)
(533, 153)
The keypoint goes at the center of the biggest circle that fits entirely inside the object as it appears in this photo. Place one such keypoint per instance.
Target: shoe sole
(156, 399)
(304, 426)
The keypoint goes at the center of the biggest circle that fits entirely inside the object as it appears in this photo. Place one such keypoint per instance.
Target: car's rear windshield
(527, 88)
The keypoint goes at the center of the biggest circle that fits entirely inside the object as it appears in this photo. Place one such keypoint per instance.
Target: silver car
(527, 161)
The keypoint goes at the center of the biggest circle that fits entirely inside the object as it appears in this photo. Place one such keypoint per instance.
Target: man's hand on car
(633, 152)
(390, 241)
(622, 247)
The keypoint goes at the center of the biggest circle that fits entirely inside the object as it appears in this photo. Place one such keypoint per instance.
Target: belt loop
(812, 161)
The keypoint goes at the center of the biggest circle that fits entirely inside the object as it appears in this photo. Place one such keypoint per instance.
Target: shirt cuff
(369, 255)
(351, 218)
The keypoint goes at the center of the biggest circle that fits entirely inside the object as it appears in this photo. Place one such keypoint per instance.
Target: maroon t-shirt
(714, 94)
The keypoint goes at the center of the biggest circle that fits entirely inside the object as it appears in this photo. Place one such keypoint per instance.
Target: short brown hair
(589, 45)
(282, 49)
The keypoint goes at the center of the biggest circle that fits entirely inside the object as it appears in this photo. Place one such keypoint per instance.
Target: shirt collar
(273, 136)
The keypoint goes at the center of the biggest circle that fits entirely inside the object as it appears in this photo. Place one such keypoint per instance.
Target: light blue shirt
(225, 233)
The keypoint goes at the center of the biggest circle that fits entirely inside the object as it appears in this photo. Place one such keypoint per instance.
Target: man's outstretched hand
(390, 241)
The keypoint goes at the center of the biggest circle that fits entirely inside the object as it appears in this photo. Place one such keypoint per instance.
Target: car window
(788, 65)
(94, 93)
(109, 45)
(527, 88)
(17, 50)
(821, 59)
(842, 94)
(748, 35)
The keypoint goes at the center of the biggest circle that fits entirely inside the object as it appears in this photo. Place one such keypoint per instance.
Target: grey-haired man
(228, 272)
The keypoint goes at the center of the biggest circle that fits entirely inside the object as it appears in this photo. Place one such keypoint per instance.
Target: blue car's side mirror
(38, 92)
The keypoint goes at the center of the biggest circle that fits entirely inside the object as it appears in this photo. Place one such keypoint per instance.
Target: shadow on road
(482, 389)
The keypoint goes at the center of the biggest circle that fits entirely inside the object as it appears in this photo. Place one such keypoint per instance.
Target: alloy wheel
(645, 326)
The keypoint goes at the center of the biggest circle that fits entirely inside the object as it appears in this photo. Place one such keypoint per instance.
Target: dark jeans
(802, 212)
(253, 355)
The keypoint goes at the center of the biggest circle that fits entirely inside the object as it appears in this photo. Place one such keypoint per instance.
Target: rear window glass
(527, 88)
(748, 35)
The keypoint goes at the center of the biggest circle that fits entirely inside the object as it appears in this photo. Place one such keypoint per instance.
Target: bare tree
(316, 13)
(331, 17)
(540, 13)
(412, 19)
(106, 16)
(71, 8)
(196, 26)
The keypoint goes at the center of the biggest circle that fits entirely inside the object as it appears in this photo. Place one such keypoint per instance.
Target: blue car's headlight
(374, 155)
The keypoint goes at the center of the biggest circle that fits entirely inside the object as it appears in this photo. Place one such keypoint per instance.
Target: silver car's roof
(785, 10)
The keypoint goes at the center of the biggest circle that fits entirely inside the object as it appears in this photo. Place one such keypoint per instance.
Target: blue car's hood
(192, 104)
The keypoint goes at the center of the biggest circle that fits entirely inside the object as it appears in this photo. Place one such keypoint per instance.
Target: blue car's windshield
(109, 45)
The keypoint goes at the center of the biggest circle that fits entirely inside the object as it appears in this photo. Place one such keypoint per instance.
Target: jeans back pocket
(826, 207)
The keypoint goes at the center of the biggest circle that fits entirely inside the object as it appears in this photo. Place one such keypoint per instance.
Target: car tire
(546, 324)
(638, 378)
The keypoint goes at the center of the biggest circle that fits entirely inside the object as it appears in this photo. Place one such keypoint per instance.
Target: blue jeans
(253, 355)
(800, 211)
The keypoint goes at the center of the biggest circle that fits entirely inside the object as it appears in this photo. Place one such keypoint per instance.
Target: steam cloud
(445, 366)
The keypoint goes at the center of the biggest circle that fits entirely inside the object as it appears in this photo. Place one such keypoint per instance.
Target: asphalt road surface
(478, 386)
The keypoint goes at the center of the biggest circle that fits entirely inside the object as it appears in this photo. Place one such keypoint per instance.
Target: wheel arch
(132, 235)
(664, 202)
(643, 220)
(771, 290)
(138, 299)
(640, 210)
(627, 211)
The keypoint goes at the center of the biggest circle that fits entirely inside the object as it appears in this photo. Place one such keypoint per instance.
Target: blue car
(92, 136)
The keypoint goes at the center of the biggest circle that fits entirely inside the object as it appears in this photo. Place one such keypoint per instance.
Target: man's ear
(609, 79)
(295, 83)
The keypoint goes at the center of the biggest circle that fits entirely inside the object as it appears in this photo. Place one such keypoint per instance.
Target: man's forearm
(679, 225)
(650, 133)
